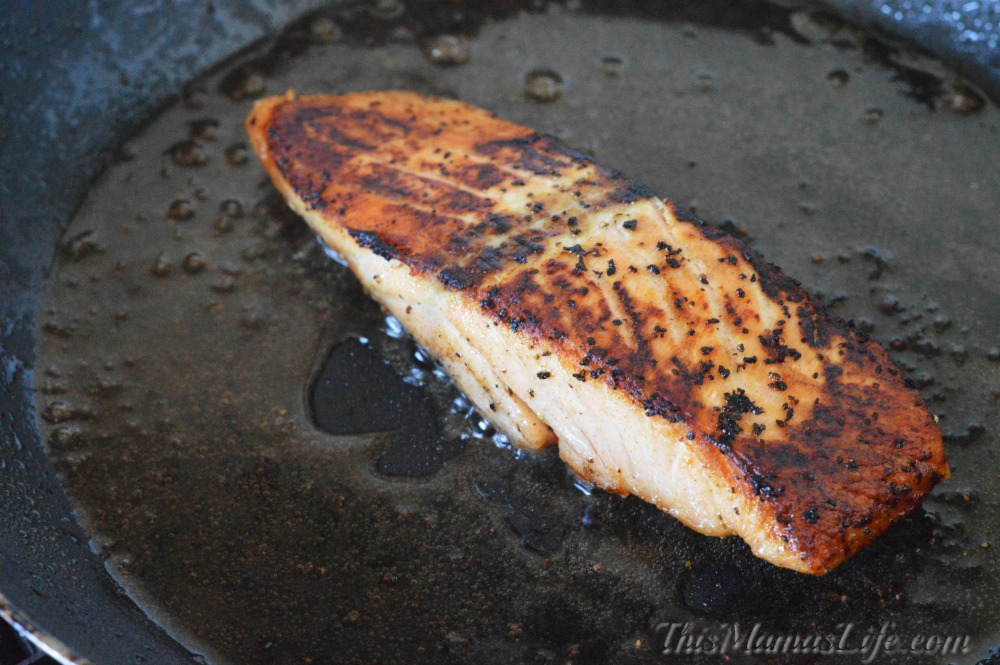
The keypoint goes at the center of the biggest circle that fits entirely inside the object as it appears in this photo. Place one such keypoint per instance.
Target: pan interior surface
(278, 474)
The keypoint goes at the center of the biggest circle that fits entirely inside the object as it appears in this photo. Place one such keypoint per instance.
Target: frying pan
(80, 80)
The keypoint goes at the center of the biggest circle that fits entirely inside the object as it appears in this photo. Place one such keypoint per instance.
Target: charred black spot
(337, 137)
(457, 277)
(762, 486)
(815, 329)
(896, 490)
(527, 245)
(775, 346)
(531, 152)
(387, 182)
(489, 299)
(684, 214)
(458, 201)
(488, 260)
(373, 241)
(740, 403)
(483, 176)
(376, 120)
(658, 405)
(736, 406)
(773, 281)
(312, 196)
(630, 192)
(498, 224)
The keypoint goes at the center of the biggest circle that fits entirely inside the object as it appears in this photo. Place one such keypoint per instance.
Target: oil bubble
(81, 246)
(963, 100)
(814, 26)
(223, 225)
(448, 50)
(543, 85)
(323, 30)
(187, 153)
(585, 487)
(838, 78)
(64, 435)
(203, 129)
(387, 9)
(873, 115)
(612, 64)
(161, 266)
(393, 328)
(236, 154)
(194, 263)
(703, 81)
(331, 253)
(941, 322)
(230, 269)
(180, 210)
(242, 84)
(224, 284)
(57, 412)
(764, 36)
(231, 208)
(193, 99)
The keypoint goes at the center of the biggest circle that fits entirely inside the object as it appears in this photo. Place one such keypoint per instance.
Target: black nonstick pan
(216, 449)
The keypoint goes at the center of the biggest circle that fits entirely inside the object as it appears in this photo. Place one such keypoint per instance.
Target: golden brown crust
(797, 411)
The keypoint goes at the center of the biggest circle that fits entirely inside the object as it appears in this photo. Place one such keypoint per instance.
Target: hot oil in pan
(276, 490)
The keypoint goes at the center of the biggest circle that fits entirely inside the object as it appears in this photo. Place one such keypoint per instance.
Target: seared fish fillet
(575, 307)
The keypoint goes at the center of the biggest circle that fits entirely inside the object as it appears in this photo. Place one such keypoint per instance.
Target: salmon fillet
(576, 308)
